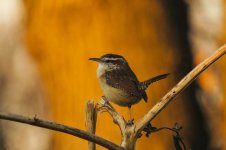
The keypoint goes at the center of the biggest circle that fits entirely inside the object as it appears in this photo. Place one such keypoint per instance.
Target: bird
(119, 83)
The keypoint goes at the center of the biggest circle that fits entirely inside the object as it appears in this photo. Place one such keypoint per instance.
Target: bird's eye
(107, 61)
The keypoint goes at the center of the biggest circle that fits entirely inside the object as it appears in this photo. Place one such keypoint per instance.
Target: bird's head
(110, 62)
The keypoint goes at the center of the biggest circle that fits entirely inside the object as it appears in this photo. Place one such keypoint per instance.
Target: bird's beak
(96, 59)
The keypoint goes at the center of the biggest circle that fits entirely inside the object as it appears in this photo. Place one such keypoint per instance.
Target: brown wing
(125, 80)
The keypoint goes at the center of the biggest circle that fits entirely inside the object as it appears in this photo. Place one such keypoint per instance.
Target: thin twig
(173, 130)
(62, 128)
(154, 111)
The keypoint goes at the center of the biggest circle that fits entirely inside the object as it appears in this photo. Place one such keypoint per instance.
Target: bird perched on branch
(119, 83)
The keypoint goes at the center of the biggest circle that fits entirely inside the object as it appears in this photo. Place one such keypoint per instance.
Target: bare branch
(191, 76)
(62, 128)
(91, 117)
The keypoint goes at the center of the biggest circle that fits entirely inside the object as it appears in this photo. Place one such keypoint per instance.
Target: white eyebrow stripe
(113, 58)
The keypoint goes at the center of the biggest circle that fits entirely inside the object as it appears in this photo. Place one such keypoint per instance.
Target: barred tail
(144, 85)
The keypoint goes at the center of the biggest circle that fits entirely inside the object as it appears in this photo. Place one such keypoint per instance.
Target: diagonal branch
(191, 76)
(62, 128)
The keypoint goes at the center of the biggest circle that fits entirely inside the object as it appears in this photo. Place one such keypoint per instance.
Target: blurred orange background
(154, 36)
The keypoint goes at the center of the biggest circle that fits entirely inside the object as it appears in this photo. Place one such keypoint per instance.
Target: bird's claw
(130, 122)
(104, 101)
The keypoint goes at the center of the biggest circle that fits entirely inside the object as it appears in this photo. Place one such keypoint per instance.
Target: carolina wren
(119, 83)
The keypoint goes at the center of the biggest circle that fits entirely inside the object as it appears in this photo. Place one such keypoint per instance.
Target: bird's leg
(130, 121)
(130, 113)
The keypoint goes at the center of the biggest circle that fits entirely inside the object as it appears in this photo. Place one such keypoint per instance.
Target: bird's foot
(130, 122)
(104, 101)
